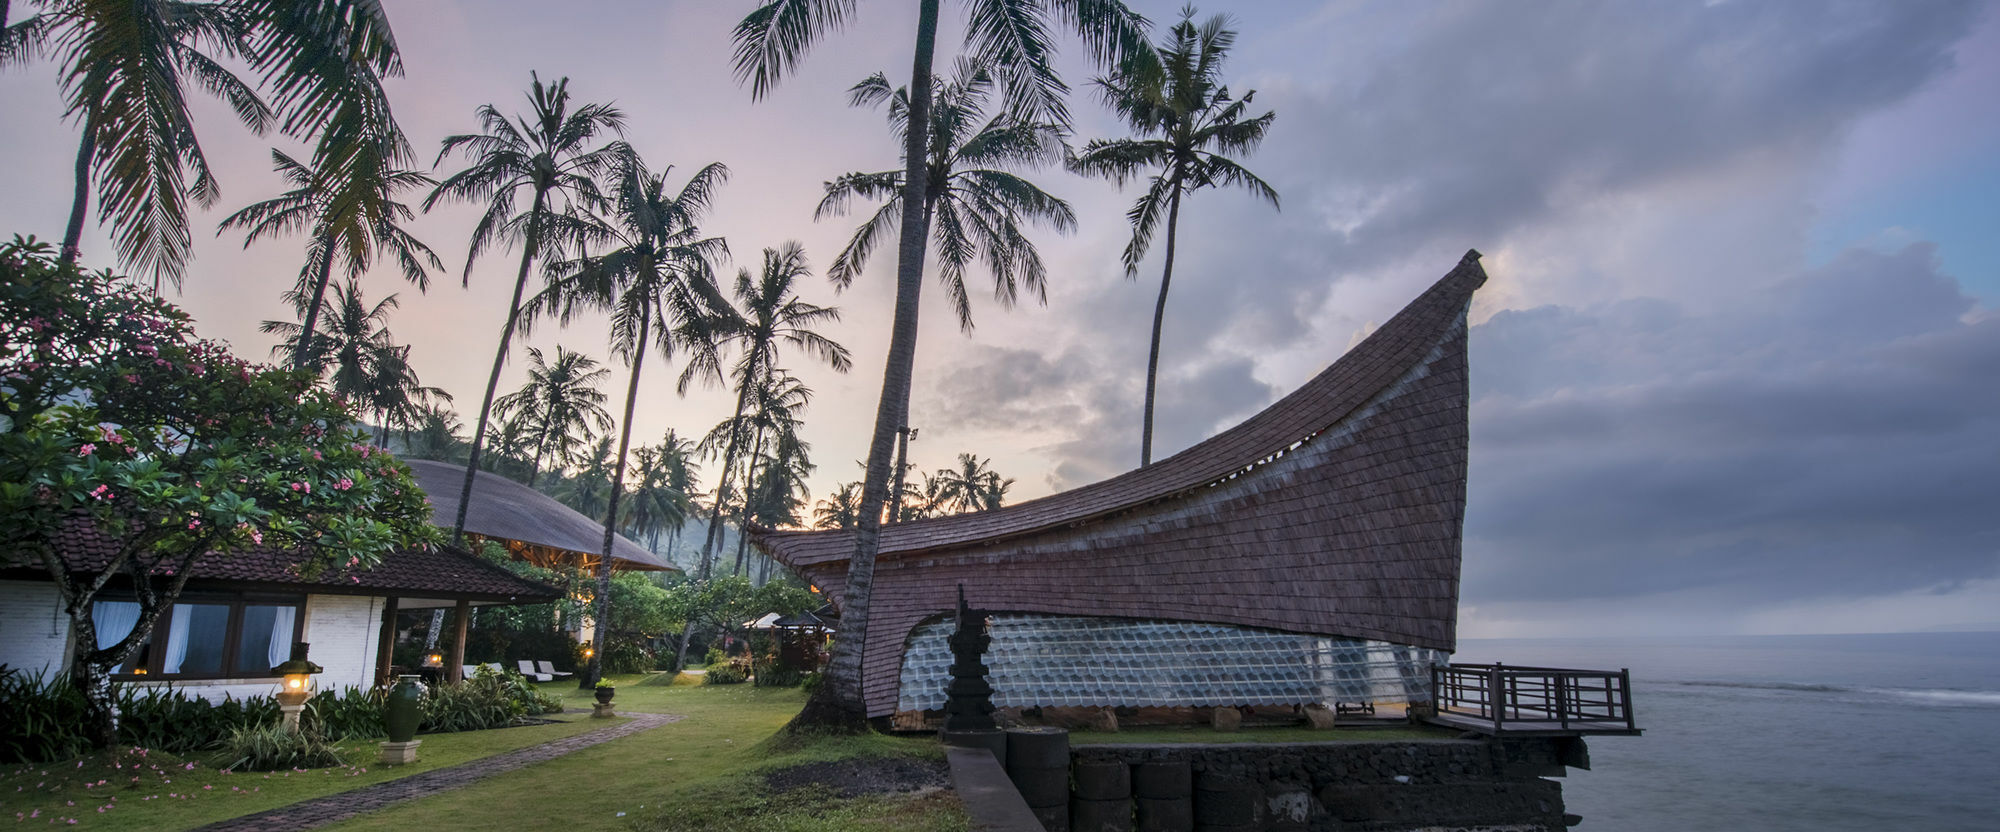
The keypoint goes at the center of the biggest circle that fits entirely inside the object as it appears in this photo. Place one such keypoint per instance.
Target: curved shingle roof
(1339, 510)
(503, 508)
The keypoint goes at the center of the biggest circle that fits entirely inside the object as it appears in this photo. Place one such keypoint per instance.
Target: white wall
(342, 629)
(34, 632)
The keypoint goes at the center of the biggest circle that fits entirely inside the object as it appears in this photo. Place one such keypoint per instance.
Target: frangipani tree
(115, 417)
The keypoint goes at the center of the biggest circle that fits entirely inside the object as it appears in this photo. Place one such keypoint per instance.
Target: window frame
(232, 635)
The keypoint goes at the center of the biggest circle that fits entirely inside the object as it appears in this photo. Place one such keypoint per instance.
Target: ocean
(1822, 732)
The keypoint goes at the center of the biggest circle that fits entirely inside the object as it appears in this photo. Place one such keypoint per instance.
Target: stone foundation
(1346, 786)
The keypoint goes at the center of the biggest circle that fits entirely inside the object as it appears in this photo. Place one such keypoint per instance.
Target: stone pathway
(311, 814)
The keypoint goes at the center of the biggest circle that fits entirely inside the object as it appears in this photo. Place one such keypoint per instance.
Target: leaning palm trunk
(302, 351)
(590, 679)
(80, 203)
(1159, 314)
(838, 703)
(715, 512)
(749, 489)
(499, 360)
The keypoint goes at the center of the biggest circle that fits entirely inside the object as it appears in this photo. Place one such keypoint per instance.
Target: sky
(1734, 372)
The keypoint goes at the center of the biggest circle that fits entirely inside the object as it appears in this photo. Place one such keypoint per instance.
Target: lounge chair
(550, 669)
(467, 671)
(528, 670)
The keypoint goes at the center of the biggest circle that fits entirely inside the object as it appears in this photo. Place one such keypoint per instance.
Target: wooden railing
(1538, 699)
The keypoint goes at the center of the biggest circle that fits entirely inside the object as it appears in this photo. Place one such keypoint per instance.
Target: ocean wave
(1930, 696)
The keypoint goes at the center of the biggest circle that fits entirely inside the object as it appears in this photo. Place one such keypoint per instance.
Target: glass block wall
(1047, 660)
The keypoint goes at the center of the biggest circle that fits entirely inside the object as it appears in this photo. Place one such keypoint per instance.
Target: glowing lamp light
(587, 653)
(434, 660)
(297, 685)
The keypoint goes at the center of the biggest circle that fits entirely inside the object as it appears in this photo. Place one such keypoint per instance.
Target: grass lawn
(701, 773)
(164, 792)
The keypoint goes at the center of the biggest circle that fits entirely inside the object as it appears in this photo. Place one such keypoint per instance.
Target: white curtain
(281, 634)
(114, 620)
(177, 639)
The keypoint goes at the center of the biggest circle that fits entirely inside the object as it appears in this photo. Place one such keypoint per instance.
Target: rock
(1227, 719)
(1319, 716)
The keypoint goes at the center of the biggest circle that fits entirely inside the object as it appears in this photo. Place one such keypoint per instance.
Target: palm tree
(125, 69)
(588, 490)
(971, 486)
(774, 420)
(436, 435)
(841, 509)
(660, 288)
(657, 507)
(397, 396)
(973, 206)
(367, 364)
(780, 491)
(352, 214)
(769, 316)
(683, 476)
(560, 407)
(1179, 102)
(1013, 36)
(544, 155)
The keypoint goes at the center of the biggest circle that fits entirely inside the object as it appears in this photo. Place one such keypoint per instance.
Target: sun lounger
(550, 668)
(467, 671)
(528, 670)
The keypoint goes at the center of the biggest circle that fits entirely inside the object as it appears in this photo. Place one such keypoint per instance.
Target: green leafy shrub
(812, 681)
(627, 654)
(714, 657)
(45, 719)
(273, 747)
(772, 676)
(728, 673)
(353, 714)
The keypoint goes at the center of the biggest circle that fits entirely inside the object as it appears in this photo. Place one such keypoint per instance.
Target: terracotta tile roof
(1339, 510)
(503, 508)
(443, 573)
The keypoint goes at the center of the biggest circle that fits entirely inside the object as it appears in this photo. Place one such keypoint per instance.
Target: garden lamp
(297, 685)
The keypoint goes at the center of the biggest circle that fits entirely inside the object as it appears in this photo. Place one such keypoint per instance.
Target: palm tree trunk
(902, 466)
(838, 704)
(79, 205)
(303, 349)
(1159, 314)
(749, 486)
(611, 514)
(499, 361)
(535, 467)
(728, 464)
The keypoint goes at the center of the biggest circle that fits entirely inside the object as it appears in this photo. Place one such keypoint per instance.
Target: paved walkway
(333, 808)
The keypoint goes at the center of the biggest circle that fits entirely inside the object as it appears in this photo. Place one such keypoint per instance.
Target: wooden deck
(1528, 728)
(1495, 700)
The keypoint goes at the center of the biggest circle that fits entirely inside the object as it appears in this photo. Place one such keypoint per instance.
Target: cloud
(1841, 439)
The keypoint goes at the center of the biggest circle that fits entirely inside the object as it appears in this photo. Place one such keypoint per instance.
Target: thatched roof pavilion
(532, 525)
(1335, 514)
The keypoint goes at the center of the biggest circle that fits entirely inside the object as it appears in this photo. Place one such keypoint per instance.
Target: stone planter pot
(405, 709)
(604, 695)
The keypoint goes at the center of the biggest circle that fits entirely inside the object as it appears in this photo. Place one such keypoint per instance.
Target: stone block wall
(1349, 786)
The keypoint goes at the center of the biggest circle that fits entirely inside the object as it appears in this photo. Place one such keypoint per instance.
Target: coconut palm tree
(841, 509)
(436, 435)
(780, 491)
(657, 507)
(973, 204)
(397, 396)
(353, 217)
(971, 486)
(774, 420)
(1185, 119)
(126, 67)
(767, 317)
(659, 286)
(1014, 36)
(588, 489)
(683, 476)
(547, 158)
(560, 407)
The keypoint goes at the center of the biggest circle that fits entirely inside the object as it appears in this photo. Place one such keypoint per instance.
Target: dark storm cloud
(1844, 441)
(1476, 121)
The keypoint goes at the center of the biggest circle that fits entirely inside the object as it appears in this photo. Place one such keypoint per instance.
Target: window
(205, 637)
